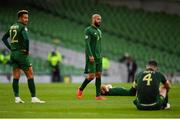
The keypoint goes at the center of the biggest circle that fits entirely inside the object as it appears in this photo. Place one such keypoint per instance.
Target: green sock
(31, 86)
(84, 84)
(166, 98)
(98, 86)
(15, 86)
(118, 92)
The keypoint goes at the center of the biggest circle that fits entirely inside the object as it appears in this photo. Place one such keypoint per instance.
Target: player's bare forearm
(167, 85)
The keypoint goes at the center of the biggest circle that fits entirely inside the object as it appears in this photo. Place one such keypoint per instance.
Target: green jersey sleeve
(135, 80)
(162, 78)
(25, 37)
(87, 42)
(5, 40)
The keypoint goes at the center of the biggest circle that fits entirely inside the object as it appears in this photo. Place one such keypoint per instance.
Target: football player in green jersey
(93, 65)
(150, 94)
(19, 47)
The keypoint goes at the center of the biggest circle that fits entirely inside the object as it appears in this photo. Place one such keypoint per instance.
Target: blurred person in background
(131, 66)
(55, 59)
(105, 66)
(6, 63)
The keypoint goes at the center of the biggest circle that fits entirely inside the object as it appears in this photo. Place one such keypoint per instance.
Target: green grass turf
(61, 102)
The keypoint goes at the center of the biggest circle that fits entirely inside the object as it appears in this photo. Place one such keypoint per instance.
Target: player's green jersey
(18, 34)
(147, 84)
(93, 37)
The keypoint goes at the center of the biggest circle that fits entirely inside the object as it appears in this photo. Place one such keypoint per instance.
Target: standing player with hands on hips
(93, 67)
(19, 47)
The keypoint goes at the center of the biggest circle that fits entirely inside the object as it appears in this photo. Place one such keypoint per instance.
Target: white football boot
(168, 106)
(36, 100)
(18, 100)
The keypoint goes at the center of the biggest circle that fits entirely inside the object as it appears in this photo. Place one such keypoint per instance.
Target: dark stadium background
(145, 29)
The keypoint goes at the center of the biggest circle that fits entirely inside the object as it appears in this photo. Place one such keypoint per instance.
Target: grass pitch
(62, 102)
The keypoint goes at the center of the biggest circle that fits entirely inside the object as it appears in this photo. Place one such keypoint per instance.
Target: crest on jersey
(86, 36)
(25, 29)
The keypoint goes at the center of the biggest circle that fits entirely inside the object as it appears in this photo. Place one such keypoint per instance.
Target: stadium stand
(40, 67)
(137, 25)
(144, 35)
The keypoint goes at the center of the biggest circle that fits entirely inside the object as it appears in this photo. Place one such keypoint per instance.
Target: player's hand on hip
(26, 52)
(91, 59)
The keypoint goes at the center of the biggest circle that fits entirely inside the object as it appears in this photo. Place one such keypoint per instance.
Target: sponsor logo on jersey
(25, 29)
(86, 36)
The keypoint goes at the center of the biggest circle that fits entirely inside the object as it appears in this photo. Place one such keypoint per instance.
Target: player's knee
(29, 77)
(16, 76)
(16, 73)
(91, 76)
(29, 73)
(98, 75)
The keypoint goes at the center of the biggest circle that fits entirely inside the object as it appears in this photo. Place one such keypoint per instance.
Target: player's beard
(97, 24)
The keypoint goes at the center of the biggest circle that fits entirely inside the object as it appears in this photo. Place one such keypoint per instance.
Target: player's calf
(91, 76)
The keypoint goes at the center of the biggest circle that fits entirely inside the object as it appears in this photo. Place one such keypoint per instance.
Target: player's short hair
(94, 15)
(21, 12)
(153, 63)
